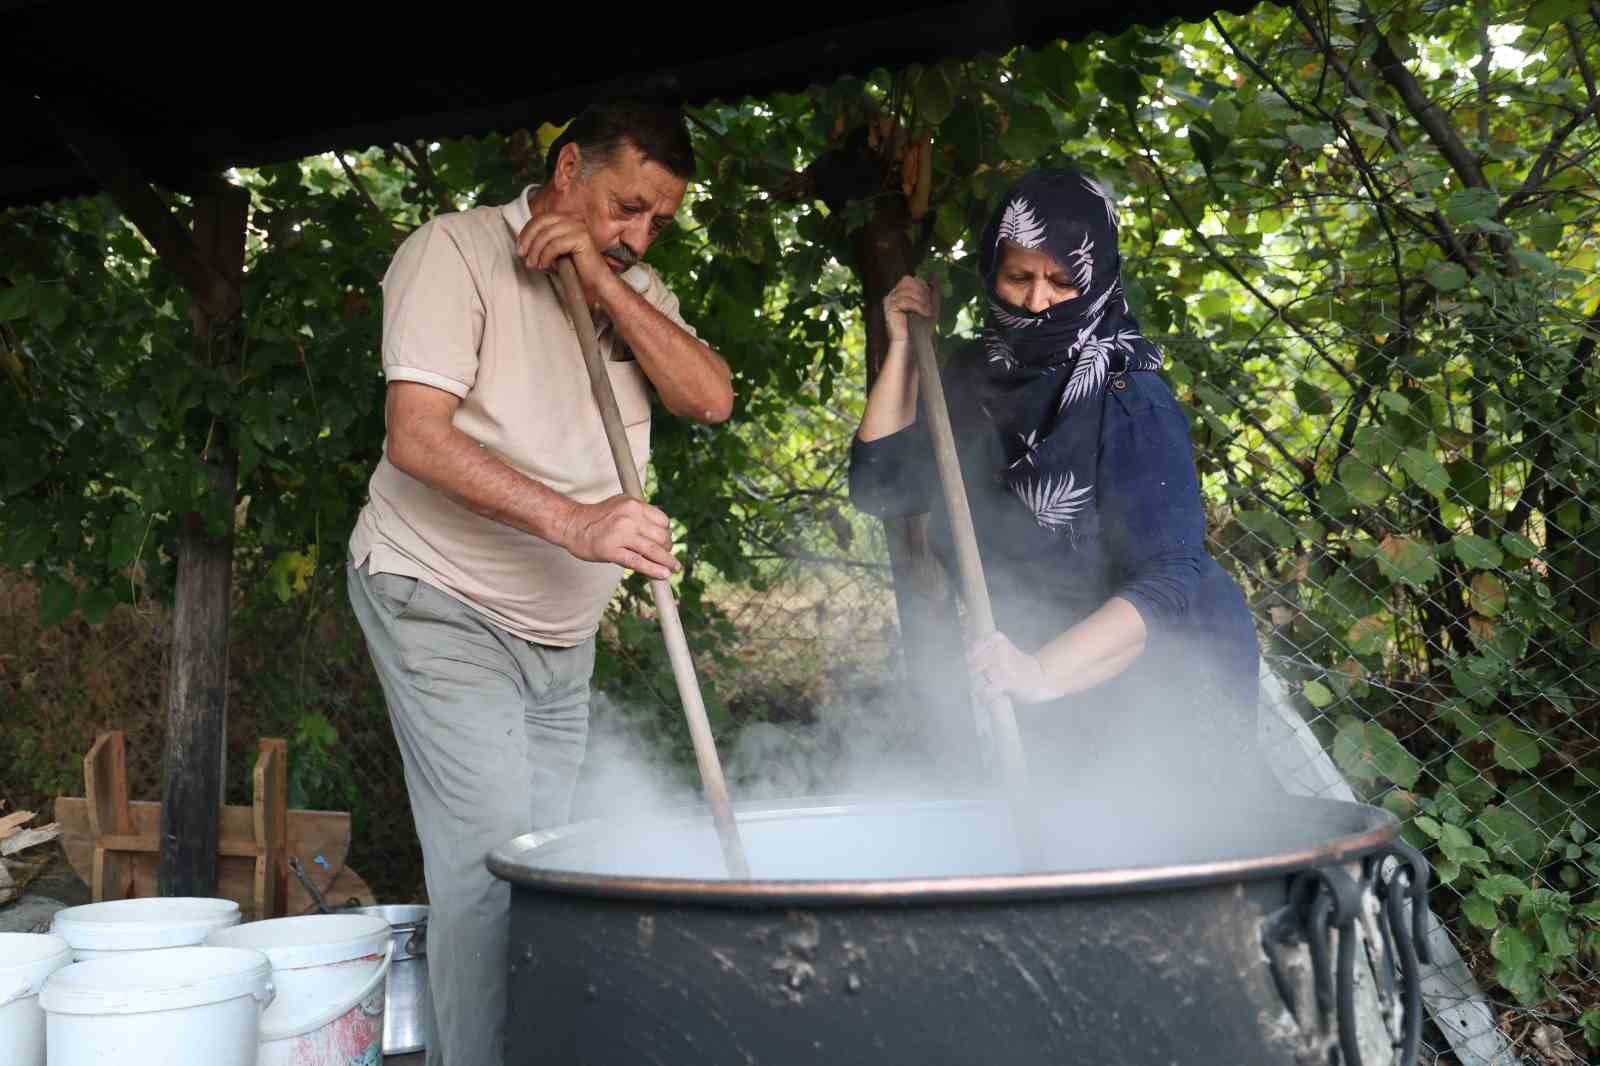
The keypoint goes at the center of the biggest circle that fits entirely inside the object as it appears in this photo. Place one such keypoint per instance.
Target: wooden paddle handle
(694, 708)
(974, 590)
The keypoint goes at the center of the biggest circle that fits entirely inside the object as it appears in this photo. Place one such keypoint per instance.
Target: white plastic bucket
(26, 960)
(101, 930)
(328, 971)
(189, 1006)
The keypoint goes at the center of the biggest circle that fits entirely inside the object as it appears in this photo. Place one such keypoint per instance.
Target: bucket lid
(139, 924)
(26, 959)
(308, 939)
(165, 979)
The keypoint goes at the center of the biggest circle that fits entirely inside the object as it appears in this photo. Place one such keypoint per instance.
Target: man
(496, 532)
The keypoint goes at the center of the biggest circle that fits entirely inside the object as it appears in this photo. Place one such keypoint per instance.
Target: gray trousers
(492, 730)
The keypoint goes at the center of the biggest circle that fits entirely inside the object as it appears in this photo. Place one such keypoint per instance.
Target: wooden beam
(101, 154)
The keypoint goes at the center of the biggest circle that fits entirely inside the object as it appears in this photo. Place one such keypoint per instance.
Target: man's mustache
(622, 254)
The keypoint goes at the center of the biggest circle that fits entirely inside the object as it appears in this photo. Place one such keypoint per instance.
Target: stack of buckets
(180, 982)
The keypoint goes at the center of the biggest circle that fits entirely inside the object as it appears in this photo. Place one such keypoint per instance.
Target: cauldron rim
(514, 862)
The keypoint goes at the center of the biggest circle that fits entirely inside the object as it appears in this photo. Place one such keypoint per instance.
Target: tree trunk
(935, 676)
(193, 763)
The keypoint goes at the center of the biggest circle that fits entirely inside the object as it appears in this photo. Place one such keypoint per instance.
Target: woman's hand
(998, 669)
(910, 296)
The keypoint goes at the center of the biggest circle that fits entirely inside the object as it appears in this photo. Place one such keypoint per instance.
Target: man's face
(625, 205)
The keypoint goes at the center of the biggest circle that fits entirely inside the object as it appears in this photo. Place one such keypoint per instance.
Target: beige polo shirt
(463, 314)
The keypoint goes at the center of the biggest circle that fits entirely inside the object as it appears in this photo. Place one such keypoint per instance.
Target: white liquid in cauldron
(892, 841)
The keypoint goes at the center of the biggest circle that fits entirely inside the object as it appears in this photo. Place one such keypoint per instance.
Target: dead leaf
(1481, 628)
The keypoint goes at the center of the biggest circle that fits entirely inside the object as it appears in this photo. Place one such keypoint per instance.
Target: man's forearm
(458, 466)
(692, 380)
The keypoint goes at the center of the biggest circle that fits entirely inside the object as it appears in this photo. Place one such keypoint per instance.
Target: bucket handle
(330, 1014)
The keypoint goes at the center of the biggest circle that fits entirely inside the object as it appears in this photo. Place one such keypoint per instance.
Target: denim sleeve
(1153, 522)
(891, 476)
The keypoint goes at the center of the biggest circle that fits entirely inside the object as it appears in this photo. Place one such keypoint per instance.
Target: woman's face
(1031, 279)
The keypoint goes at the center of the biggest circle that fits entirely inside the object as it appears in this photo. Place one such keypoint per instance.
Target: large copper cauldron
(1156, 937)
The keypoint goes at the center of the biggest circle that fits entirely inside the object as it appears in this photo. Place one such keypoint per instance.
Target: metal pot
(628, 945)
(408, 1010)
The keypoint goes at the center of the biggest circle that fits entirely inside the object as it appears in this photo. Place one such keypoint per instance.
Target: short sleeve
(647, 283)
(433, 313)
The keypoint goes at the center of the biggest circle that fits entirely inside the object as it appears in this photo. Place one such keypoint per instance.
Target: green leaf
(1217, 304)
(127, 534)
(935, 97)
(1467, 204)
(1548, 13)
(1446, 277)
(1312, 400)
(1364, 484)
(1428, 825)
(1407, 559)
(1477, 553)
(1520, 546)
(16, 301)
(97, 604)
(1511, 947)
(1268, 525)
(1350, 751)
(1480, 912)
(1513, 748)
(1510, 834)
(1545, 232)
(25, 546)
(1393, 760)
(56, 601)
(1318, 694)
(1225, 114)
(1394, 402)
(1426, 470)
(1590, 1020)
(1521, 981)
(1557, 936)
(1366, 750)
(1030, 133)
(1311, 137)
(1497, 887)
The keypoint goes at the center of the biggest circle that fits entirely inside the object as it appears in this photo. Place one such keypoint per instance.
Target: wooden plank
(269, 816)
(105, 786)
(320, 839)
(29, 838)
(1449, 990)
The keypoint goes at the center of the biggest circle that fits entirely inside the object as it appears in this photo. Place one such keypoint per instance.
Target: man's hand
(998, 669)
(624, 531)
(550, 235)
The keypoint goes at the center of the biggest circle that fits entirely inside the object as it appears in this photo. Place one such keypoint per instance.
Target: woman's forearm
(892, 401)
(1095, 650)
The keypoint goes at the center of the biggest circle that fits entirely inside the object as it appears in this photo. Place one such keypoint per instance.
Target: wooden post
(193, 774)
(210, 260)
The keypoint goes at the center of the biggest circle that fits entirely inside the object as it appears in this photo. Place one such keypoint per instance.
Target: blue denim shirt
(1150, 549)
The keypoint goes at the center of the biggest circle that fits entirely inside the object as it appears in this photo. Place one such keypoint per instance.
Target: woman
(1123, 645)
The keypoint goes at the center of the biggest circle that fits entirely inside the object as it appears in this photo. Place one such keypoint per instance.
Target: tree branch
(422, 169)
(1537, 177)
(1579, 58)
(1425, 111)
(366, 197)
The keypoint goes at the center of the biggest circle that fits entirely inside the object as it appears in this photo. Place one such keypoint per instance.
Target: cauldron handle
(1327, 898)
